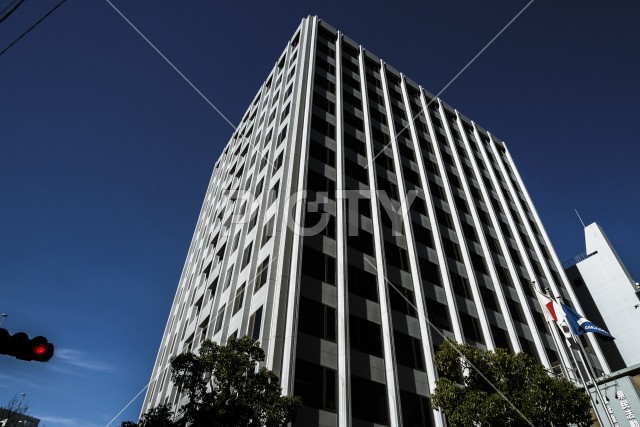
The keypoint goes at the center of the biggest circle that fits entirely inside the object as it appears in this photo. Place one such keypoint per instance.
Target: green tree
(225, 390)
(160, 416)
(468, 400)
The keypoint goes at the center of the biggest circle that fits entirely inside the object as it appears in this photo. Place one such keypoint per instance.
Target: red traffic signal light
(41, 350)
(21, 347)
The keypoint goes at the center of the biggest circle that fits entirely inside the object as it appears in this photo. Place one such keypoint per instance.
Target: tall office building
(352, 223)
(611, 298)
(609, 295)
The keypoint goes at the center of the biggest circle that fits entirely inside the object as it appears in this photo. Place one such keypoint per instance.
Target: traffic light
(21, 347)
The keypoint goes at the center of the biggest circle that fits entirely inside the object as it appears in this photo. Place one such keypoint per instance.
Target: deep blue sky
(105, 153)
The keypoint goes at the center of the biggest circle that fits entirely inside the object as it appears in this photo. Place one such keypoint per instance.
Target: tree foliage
(225, 390)
(468, 400)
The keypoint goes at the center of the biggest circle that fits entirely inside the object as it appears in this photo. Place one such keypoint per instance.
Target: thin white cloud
(82, 360)
(60, 421)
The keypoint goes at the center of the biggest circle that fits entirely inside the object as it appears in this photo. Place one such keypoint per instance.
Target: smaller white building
(609, 296)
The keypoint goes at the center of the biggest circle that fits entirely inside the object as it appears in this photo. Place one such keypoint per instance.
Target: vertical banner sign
(626, 407)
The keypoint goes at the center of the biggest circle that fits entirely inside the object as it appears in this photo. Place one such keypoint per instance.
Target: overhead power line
(46, 15)
(8, 6)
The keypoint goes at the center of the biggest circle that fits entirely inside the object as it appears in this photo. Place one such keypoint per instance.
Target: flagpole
(563, 354)
(572, 358)
(594, 405)
(564, 365)
(589, 371)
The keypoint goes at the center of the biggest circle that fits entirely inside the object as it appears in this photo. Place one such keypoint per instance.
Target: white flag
(553, 312)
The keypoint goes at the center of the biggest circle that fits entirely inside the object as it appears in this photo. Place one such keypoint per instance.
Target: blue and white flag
(579, 324)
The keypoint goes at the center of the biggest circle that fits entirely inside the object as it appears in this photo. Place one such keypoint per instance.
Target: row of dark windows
(360, 175)
(454, 180)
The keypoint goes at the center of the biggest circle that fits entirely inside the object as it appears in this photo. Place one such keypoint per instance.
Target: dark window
(494, 245)
(317, 319)
(529, 348)
(353, 120)
(325, 65)
(402, 301)
(273, 193)
(516, 311)
(362, 283)
(444, 218)
(267, 232)
(354, 170)
(365, 336)
(470, 232)
(430, 271)
(253, 220)
(478, 262)
(324, 83)
(259, 188)
(539, 320)
(262, 275)
(277, 163)
(237, 302)
(318, 265)
(246, 256)
(316, 385)
(433, 169)
(396, 256)
(489, 298)
(255, 322)
(470, 327)
(323, 126)
(416, 411)
(320, 152)
(384, 161)
(452, 250)
(320, 222)
(369, 400)
(503, 275)
(362, 242)
(461, 286)
(219, 320)
(408, 351)
(227, 277)
(500, 338)
(321, 184)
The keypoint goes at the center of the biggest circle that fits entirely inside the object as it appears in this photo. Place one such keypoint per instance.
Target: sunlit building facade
(610, 296)
(351, 225)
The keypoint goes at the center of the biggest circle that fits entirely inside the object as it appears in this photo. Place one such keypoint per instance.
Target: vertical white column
(435, 226)
(307, 49)
(385, 313)
(344, 407)
(542, 354)
(482, 314)
(504, 308)
(425, 332)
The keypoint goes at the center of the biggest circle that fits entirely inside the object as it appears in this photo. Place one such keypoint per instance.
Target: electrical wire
(7, 7)
(11, 11)
(46, 15)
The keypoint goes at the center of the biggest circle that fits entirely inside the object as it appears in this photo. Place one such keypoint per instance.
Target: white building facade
(352, 223)
(610, 296)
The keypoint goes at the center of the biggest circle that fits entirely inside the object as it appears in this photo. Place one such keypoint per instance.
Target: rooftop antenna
(581, 221)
